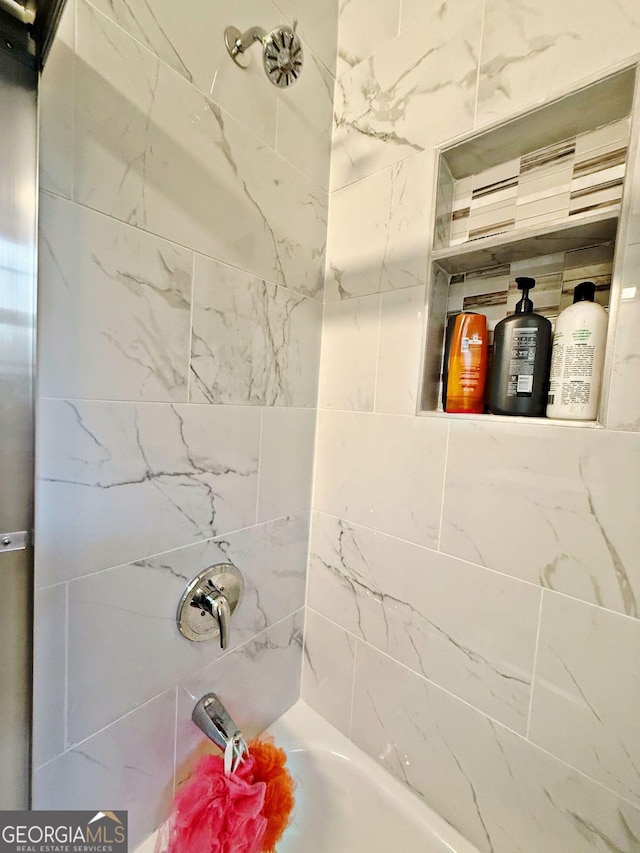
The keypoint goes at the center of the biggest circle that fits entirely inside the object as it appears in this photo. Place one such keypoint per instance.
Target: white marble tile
(317, 25)
(49, 673)
(114, 90)
(379, 231)
(624, 395)
(531, 52)
(256, 683)
(410, 94)
(400, 350)
(362, 30)
(245, 93)
(471, 631)
(573, 492)
(350, 332)
(128, 765)
(499, 791)
(114, 306)
(152, 150)
(383, 471)
(253, 342)
(134, 607)
(286, 462)
(193, 45)
(118, 482)
(56, 109)
(305, 120)
(587, 692)
(327, 671)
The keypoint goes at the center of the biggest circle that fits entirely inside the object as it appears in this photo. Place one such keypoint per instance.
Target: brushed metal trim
(18, 224)
(16, 541)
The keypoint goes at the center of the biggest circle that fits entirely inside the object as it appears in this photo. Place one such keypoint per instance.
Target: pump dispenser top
(521, 352)
(584, 292)
(525, 305)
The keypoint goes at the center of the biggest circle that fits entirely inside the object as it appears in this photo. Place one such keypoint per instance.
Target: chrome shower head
(282, 54)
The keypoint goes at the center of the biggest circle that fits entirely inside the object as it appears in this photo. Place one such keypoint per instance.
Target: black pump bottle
(521, 353)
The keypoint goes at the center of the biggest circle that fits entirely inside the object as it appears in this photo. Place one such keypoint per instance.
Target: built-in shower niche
(541, 195)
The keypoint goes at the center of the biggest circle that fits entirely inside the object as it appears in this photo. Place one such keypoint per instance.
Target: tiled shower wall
(474, 588)
(183, 226)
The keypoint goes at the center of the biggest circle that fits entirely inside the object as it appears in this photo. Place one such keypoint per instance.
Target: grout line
(290, 616)
(190, 349)
(424, 416)
(260, 450)
(176, 244)
(218, 537)
(536, 585)
(424, 678)
(444, 486)
(49, 586)
(307, 581)
(305, 610)
(400, 11)
(179, 684)
(175, 739)
(173, 404)
(480, 45)
(377, 361)
(74, 75)
(535, 665)
(530, 744)
(353, 684)
(66, 668)
(72, 746)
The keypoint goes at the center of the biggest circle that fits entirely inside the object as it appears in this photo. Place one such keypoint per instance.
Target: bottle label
(571, 372)
(474, 341)
(522, 362)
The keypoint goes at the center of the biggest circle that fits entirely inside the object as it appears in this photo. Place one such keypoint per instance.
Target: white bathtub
(345, 802)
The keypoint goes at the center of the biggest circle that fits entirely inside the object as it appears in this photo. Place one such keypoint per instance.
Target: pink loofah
(214, 813)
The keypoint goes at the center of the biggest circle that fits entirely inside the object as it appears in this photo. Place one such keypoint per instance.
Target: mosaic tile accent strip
(494, 293)
(574, 177)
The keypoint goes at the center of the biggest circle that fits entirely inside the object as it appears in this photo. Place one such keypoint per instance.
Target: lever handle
(217, 605)
(221, 612)
(208, 602)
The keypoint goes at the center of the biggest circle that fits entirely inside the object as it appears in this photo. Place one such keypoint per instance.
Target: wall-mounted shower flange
(282, 54)
(208, 603)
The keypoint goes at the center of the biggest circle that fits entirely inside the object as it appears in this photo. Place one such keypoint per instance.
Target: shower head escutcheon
(282, 54)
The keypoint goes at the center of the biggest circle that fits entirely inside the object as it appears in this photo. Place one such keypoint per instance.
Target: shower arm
(244, 40)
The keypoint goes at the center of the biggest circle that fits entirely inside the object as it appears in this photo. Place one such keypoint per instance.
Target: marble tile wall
(183, 229)
(473, 617)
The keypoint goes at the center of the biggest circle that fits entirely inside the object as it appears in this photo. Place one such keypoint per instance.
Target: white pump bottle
(577, 358)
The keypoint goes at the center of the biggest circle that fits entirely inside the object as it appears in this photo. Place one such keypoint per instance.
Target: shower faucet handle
(215, 603)
(208, 603)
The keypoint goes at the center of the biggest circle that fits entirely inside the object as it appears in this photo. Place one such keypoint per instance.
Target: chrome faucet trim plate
(208, 603)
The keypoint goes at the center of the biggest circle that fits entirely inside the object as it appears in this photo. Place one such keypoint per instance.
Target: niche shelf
(540, 195)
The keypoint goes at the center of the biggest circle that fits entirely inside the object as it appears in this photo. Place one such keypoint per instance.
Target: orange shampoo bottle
(467, 365)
